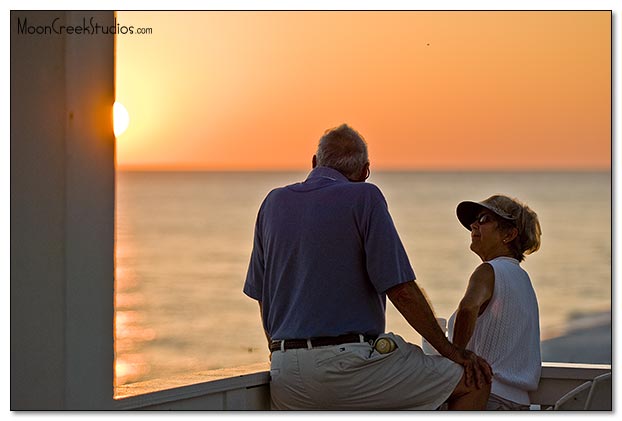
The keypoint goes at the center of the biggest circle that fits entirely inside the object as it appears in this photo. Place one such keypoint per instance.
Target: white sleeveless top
(507, 333)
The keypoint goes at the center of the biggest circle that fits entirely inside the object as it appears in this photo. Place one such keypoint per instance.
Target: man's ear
(314, 162)
(364, 173)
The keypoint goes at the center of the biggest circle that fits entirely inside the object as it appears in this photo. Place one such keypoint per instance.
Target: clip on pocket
(385, 345)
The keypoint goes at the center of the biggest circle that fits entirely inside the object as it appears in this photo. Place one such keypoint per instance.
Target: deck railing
(247, 388)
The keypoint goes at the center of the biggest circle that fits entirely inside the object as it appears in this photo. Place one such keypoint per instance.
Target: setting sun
(422, 87)
(121, 118)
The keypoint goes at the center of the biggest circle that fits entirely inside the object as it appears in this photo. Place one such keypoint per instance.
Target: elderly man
(325, 256)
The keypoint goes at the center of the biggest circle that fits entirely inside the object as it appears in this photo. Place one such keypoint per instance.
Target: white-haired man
(325, 256)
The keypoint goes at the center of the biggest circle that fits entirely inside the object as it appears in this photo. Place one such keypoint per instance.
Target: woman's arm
(413, 305)
(476, 298)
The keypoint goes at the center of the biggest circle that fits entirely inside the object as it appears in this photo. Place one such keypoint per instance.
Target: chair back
(599, 398)
(575, 399)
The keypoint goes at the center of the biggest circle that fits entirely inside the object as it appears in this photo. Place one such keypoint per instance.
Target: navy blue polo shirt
(324, 254)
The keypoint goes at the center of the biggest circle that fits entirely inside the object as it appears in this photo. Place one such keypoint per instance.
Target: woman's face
(486, 238)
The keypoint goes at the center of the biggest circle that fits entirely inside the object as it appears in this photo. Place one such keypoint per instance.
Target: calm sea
(184, 240)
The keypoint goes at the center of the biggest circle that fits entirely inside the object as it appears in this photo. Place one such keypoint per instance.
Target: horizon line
(385, 169)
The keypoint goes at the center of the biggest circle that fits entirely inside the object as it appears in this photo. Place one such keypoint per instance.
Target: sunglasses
(484, 218)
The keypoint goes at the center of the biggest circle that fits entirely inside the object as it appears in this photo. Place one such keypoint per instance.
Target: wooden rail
(247, 388)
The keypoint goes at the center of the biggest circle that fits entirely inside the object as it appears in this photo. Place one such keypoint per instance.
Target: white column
(62, 214)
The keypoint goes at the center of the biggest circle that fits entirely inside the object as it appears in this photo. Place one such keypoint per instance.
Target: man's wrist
(452, 351)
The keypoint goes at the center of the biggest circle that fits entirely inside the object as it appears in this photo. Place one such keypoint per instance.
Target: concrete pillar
(62, 213)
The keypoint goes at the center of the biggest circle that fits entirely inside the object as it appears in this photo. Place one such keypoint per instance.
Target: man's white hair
(343, 149)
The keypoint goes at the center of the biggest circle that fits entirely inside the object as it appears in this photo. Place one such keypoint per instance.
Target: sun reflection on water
(130, 332)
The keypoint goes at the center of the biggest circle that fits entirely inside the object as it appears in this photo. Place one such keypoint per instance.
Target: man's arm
(262, 324)
(476, 298)
(411, 303)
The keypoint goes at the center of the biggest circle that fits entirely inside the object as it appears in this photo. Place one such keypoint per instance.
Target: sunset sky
(428, 90)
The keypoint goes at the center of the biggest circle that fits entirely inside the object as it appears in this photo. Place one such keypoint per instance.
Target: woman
(498, 316)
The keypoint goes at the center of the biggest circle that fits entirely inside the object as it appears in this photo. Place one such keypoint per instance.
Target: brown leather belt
(322, 341)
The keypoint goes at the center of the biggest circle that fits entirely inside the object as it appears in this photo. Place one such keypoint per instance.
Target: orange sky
(428, 90)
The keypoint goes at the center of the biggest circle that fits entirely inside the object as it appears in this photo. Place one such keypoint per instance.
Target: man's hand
(412, 304)
(476, 370)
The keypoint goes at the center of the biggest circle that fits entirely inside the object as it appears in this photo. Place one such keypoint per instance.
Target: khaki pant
(357, 377)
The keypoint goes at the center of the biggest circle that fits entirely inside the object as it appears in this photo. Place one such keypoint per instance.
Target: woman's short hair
(343, 149)
(526, 222)
(529, 232)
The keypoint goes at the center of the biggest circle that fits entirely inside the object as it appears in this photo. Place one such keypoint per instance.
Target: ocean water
(183, 241)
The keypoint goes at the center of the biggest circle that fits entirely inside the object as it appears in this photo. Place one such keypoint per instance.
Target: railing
(247, 388)
(559, 378)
